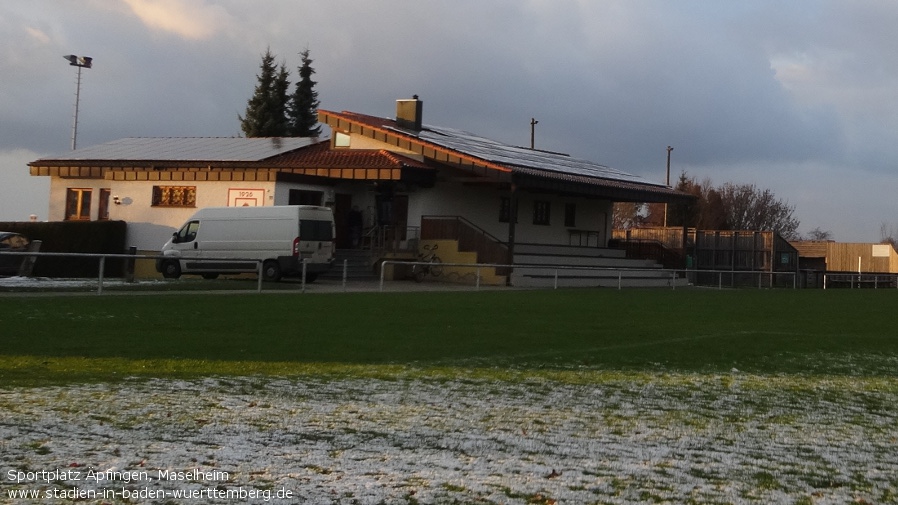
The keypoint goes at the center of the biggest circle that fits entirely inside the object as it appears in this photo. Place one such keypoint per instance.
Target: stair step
(565, 250)
(357, 265)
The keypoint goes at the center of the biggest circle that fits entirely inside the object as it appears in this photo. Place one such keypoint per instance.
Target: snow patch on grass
(733, 438)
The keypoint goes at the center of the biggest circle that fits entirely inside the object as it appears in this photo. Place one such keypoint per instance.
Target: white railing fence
(720, 279)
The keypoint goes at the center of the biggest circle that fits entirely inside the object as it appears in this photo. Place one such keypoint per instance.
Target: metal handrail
(469, 224)
(102, 266)
(470, 237)
(675, 273)
(378, 236)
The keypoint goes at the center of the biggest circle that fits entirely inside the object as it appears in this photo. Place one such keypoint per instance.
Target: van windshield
(187, 233)
(315, 230)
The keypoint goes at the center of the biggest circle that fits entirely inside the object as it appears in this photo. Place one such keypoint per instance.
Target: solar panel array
(188, 149)
(505, 154)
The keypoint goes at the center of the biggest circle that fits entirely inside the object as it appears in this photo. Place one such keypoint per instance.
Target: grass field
(581, 396)
(787, 332)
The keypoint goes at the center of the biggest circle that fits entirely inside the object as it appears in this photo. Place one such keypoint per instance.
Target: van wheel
(171, 269)
(311, 277)
(210, 276)
(271, 271)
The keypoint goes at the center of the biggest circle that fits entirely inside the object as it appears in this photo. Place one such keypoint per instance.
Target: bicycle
(433, 264)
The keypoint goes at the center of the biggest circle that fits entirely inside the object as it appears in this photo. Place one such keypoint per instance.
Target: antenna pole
(533, 122)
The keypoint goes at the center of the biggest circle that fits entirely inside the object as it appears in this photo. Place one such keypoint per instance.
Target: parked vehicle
(220, 240)
(433, 265)
(12, 242)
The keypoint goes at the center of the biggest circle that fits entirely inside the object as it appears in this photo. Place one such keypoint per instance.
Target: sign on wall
(881, 250)
(245, 197)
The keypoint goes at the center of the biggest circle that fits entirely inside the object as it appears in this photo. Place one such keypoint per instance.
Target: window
(77, 204)
(541, 211)
(174, 196)
(304, 197)
(570, 214)
(103, 212)
(341, 139)
(322, 231)
(505, 210)
(187, 233)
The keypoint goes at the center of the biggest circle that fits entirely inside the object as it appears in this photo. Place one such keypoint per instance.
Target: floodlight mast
(80, 62)
(669, 149)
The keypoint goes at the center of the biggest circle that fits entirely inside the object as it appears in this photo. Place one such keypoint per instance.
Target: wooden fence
(722, 249)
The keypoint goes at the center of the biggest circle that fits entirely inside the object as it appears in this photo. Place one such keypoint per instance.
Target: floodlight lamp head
(79, 61)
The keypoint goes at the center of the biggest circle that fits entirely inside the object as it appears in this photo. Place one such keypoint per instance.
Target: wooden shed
(843, 257)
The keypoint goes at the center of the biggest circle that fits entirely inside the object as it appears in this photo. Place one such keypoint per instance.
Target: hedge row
(98, 237)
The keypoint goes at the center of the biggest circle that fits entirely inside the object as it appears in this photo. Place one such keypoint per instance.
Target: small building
(826, 263)
(411, 182)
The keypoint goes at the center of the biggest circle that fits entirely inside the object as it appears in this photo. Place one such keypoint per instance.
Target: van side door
(186, 242)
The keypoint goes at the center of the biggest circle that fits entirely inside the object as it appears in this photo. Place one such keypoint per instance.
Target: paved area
(21, 286)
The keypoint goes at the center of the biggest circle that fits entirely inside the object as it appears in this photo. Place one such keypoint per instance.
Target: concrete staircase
(358, 266)
(538, 265)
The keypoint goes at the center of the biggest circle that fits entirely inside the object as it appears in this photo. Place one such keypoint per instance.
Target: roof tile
(321, 156)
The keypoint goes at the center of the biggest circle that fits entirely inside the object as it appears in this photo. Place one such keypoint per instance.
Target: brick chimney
(408, 113)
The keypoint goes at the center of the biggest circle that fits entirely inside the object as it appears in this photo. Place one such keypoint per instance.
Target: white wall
(149, 227)
(481, 206)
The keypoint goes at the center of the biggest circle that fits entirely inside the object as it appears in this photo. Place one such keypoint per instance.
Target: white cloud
(37, 35)
(191, 20)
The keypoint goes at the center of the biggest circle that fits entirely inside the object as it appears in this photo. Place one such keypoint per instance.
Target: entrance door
(400, 216)
(392, 214)
(342, 207)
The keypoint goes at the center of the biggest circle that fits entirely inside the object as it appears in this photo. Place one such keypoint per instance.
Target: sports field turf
(786, 332)
(512, 397)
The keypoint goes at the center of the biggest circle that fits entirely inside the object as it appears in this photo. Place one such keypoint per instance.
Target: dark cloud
(760, 84)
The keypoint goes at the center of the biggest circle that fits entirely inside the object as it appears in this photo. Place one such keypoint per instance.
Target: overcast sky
(799, 97)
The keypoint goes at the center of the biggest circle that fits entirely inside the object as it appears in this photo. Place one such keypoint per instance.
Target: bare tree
(628, 215)
(888, 235)
(750, 208)
(819, 235)
(732, 207)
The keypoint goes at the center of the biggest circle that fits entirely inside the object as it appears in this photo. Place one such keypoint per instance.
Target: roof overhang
(617, 191)
(492, 162)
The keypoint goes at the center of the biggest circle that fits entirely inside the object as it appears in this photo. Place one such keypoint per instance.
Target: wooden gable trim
(212, 173)
(190, 174)
(417, 146)
(67, 172)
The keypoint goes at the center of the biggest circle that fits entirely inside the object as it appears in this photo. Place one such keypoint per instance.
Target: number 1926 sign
(245, 197)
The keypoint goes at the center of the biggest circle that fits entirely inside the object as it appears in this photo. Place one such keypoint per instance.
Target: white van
(219, 240)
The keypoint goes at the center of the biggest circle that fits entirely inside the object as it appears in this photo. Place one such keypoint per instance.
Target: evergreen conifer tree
(303, 111)
(266, 111)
